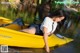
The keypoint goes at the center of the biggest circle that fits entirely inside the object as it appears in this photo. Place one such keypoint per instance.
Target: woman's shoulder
(48, 18)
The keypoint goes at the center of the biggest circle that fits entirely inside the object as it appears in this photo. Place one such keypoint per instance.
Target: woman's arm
(46, 39)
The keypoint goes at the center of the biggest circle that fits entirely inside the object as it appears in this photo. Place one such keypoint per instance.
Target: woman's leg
(29, 30)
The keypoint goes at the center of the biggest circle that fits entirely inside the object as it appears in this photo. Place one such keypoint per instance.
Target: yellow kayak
(11, 36)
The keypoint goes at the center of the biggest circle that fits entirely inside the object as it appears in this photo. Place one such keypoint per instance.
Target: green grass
(11, 14)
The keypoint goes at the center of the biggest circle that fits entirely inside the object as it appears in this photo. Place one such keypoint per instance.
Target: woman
(47, 27)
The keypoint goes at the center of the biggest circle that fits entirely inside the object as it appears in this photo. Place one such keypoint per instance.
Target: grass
(11, 14)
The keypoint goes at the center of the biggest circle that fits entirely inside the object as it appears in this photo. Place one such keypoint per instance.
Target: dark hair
(57, 13)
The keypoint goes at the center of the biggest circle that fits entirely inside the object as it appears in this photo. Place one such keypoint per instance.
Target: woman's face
(59, 19)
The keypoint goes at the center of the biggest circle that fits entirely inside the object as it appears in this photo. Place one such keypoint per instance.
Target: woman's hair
(57, 13)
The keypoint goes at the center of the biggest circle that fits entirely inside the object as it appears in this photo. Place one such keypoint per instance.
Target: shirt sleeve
(45, 23)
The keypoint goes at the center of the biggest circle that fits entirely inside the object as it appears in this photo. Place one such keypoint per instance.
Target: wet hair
(57, 13)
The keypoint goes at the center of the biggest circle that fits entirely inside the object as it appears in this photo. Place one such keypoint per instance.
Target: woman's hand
(47, 49)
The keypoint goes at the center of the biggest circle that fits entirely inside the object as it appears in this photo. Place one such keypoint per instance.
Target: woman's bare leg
(29, 30)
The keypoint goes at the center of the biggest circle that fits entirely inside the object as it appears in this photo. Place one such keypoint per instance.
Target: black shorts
(38, 30)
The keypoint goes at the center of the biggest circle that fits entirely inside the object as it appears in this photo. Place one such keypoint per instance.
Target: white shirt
(48, 24)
